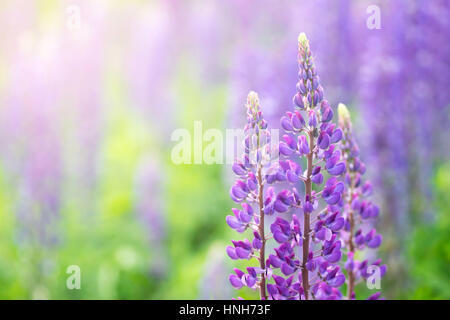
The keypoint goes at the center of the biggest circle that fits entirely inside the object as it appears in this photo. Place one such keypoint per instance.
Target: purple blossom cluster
(34, 169)
(359, 212)
(404, 79)
(253, 172)
(149, 190)
(396, 72)
(308, 227)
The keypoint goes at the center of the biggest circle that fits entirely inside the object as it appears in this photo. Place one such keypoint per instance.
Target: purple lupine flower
(150, 62)
(149, 205)
(404, 80)
(214, 282)
(32, 147)
(253, 172)
(309, 135)
(359, 212)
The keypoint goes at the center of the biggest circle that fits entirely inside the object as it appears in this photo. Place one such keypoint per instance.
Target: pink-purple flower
(309, 223)
(359, 212)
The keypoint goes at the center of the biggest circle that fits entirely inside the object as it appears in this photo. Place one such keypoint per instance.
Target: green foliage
(429, 249)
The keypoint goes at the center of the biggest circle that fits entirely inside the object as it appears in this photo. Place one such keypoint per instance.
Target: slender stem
(261, 231)
(262, 260)
(351, 245)
(306, 217)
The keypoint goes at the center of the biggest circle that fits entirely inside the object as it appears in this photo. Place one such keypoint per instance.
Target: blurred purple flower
(406, 107)
(359, 212)
(31, 147)
(214, 283)
(321, 248)
(151, 55)
(149, 205)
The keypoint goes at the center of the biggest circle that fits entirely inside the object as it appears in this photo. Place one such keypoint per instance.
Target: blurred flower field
(91, 92)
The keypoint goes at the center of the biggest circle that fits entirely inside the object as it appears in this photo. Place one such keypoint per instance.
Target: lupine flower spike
(310, 135)
(359, 212)
(310, 229)
(249, 191)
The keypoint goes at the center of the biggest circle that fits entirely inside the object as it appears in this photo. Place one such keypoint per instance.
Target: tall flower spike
(248, 190)
(310, 136)
(359, 212)
(314, 224)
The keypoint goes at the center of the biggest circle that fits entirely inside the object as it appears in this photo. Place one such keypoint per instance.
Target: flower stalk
(249, 190)
(320, 221)
(357, 205)
(262, 255)
(306, 217)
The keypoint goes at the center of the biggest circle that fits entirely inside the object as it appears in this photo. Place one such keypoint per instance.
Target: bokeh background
(90, 92)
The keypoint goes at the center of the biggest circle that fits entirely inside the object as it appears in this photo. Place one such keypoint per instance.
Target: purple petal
(333, 198)
(327, 114)
(375, 296)
(238, 272)
(279, 206)
(247, 208)
(308, 207)
(324, 234)
(284, 149)
(280, 237)
(336, 136)
(248, 280)
(269, 209)
(272, 289)
(337, 169)
(324, 141)
(317, 179)
(367, 188)
(297, 121)
(275, 261)
(271, 178)
(298, 101)
(311, 265)
(279, 280)
(337, 281)
(238, 192)
(291, 176)
(383, 269)
(375, 211)
(235, 281)
(256, 243)
(244, 217)
(287, 269)
(252, 184)
(242, 253)
(286, 124)
(359, 240)
(337, 224)
(375, 242)
(239, 169)
(339, 187)
(232, 253)
(233, 222)
(303, 145)
(334, 257)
